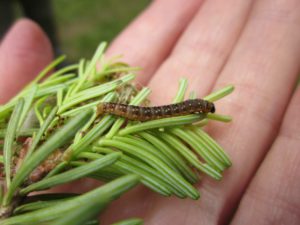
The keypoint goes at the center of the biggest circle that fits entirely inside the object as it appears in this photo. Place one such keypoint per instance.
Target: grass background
(83, 24)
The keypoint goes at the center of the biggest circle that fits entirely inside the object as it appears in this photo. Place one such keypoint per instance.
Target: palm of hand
(253, 45)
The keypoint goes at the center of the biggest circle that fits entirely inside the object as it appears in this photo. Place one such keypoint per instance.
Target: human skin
(254, 45)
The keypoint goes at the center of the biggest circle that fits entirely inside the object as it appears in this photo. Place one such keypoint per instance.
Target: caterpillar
(138, 113)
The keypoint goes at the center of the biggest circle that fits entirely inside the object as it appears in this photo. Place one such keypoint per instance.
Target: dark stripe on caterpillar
(138, 113)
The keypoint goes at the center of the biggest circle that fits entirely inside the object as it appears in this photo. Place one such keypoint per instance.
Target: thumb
(24, 51)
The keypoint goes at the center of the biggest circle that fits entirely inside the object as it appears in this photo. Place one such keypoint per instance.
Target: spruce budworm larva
(138, 113)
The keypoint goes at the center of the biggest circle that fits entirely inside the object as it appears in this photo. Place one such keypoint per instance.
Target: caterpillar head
(212, 108)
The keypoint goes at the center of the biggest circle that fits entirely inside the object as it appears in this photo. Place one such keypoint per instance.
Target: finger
(149, 39)
(273, 196)
(24, 51)
(264, 68)
(201, 52)
(174, 210)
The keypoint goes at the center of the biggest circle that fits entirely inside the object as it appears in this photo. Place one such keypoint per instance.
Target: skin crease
(254, 45)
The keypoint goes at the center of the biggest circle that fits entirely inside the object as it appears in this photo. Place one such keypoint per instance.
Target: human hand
(253, 45)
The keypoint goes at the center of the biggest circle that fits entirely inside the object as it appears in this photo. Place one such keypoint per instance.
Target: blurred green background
(82, 24)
